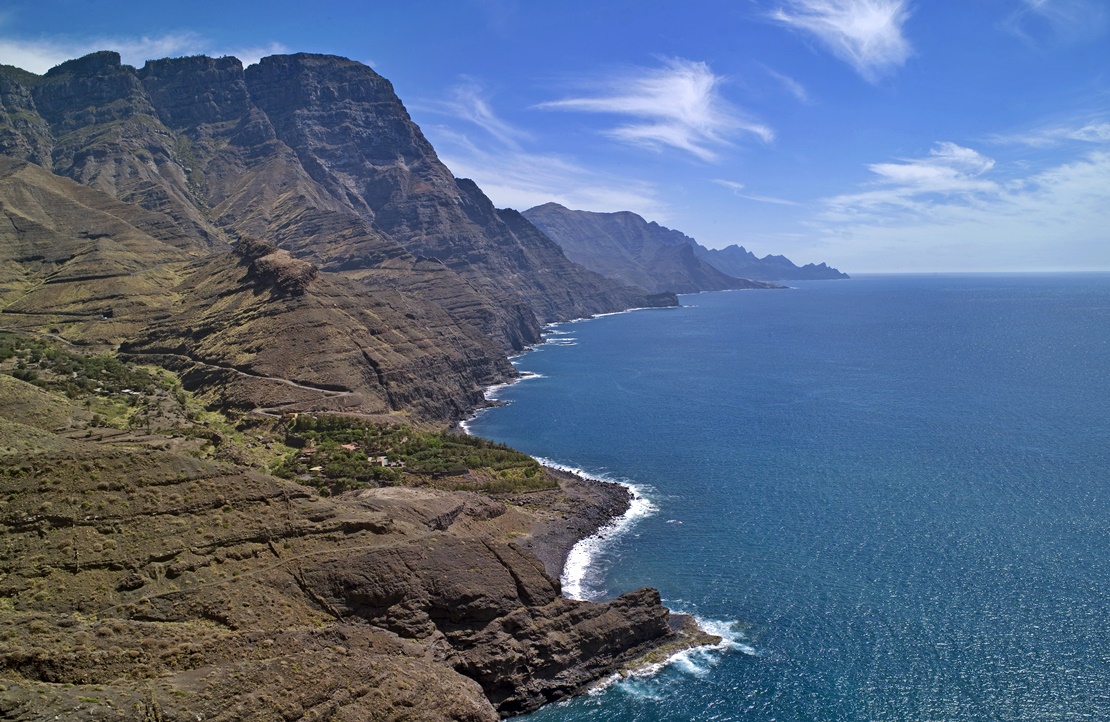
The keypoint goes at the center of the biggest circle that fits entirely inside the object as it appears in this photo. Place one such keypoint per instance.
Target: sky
(875, 135)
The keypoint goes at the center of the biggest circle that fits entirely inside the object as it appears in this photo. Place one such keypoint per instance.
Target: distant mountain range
(625, 247)
(737, 261)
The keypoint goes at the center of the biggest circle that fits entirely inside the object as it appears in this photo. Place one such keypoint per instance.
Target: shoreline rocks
(147, 582)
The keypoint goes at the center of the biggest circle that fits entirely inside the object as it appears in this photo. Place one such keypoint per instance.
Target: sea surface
(890, 494)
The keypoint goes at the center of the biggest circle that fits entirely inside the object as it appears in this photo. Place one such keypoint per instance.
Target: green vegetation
(118, 394)
(73, 374)
(340, 452)
(333, 453)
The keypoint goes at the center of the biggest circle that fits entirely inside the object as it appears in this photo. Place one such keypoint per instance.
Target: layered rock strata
(145, 584)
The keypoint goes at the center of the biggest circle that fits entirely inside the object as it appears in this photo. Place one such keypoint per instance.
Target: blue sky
(876, 135)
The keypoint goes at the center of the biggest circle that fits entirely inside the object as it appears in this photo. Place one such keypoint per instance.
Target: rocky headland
(157, 571)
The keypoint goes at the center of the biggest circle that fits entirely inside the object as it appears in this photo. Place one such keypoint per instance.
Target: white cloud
(40, 55)
(944, 212)
(911, 185)
(740, 190)
(677, 106)
(467, 102)
(1089, 132)
(791, 85)
(867, 34)
(518, 179)
(1067, 20)
(515, 177)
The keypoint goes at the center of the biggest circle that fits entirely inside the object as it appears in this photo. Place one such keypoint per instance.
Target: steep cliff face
(313, 154)
(624, 246)
(107, 135)
(355, 139)
(284, 239)
(23, 132)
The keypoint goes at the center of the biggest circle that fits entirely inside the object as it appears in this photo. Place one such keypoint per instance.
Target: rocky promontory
(154, 568)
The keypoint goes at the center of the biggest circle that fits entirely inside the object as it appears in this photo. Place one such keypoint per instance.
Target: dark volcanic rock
(191, 92)
(500, 616)
(542, 654)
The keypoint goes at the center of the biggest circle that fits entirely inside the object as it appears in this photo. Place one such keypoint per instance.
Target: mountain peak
(92, 64)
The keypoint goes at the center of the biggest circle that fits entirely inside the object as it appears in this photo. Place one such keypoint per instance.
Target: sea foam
(580, 578)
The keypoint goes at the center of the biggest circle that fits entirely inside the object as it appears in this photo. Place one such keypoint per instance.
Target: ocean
(890, 494)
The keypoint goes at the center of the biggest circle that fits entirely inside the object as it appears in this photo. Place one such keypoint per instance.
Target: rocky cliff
(192, 254)
(316, 156)
(624, 246)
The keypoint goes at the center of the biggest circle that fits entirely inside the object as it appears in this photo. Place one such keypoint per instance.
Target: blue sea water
(891, 493)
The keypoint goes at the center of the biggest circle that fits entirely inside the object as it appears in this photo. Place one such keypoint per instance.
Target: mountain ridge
(626, 247)
(314, 154)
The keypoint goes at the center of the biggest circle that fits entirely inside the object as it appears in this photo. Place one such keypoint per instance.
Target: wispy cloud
(740, 190)
(867, 34)
(949, 170)
(514, 176)
(467, 102)
(519, 179)
(678, 106)
(41, 54)
(1089, 132)
(791, 85)
(947, 212)
(1066, 20)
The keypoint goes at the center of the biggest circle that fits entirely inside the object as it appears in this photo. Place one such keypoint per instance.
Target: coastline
(587, 506)
(572, 526)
